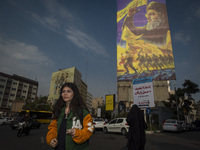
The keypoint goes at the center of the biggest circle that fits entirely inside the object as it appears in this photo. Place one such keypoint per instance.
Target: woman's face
(67, 94)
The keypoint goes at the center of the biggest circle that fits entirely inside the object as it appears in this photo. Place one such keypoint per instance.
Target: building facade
(14, 88)
(66, 75)
(96, 102)
(89, 102)
(125, 92)
(83, 91)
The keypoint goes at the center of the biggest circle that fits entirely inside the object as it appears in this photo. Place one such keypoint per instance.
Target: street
(100, 141)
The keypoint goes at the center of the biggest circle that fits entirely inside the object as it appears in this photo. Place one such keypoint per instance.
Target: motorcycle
(23, 128)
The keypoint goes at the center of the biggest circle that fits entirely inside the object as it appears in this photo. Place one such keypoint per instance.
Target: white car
(172, 125)
(5, 120)
(98, 123)
(116, 125)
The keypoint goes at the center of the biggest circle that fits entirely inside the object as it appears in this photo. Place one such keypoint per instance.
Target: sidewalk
(152, 132)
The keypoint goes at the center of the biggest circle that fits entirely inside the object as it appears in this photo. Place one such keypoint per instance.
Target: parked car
(9, 119)
(5, 120)
(172, 125)
(192, 126)
(98, 123)
(116, 125)
(14, 124)
(184, 125)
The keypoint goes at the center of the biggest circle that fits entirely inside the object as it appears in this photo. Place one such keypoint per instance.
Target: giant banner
(144, 45)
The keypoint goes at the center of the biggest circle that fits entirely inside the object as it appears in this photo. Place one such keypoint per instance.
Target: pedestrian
(136, 135)
(197, 124)
(71, 126)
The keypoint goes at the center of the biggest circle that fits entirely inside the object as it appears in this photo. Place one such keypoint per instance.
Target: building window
(1, 86)
(3, 80)
(13, 89)
(12, 95)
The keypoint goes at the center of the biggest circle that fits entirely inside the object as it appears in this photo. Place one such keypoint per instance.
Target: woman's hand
(54, 142)
(71, 132)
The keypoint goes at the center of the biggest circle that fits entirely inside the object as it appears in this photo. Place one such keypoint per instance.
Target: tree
(29, 105)
(179, 98)
(190, 88)
(175, 100)
(105, 114)
(39, 104)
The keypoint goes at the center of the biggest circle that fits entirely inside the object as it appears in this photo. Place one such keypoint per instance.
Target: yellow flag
(123, 12)
(127, 35)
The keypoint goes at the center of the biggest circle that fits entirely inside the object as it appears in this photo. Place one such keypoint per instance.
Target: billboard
(143, 95)
(110, 102)
(144, 46)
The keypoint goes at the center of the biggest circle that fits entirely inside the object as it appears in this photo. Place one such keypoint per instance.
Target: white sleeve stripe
(90, 128)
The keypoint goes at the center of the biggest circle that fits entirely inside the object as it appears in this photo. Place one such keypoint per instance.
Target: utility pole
(176, 104)
(86, 69)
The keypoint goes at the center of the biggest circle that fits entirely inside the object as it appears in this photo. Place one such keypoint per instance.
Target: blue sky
(38, 37)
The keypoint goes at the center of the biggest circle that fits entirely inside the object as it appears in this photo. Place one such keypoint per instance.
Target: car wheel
(105, 130)
(123, 131)
(3, 123)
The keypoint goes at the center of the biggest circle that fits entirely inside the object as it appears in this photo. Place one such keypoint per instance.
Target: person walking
(71, 126)
(136, 135)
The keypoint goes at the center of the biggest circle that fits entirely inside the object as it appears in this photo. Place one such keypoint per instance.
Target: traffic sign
(148, 110)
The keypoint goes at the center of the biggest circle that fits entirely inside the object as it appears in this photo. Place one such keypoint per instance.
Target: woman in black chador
(136, 134)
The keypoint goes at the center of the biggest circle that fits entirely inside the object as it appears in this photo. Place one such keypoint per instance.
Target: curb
(152, 132)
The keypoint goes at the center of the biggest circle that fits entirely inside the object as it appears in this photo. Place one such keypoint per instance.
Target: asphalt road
(100, 141)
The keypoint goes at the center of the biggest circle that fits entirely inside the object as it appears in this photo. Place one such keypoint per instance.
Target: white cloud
(194, 8)
(48, 22)
(55, 9)
(59, 20)
(26, 60)
(20, 57)
(182, 37)
(84, 41)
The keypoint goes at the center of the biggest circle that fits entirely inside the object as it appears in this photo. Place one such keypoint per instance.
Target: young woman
(71, 126)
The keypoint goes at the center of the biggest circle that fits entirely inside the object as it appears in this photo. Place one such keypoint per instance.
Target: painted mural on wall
(144, 46)
(58, 79)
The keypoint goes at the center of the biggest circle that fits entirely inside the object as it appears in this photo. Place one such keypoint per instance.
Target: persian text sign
(110, 101)
(143, 92)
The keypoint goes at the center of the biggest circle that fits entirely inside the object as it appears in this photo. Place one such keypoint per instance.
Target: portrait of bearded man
(157, 27)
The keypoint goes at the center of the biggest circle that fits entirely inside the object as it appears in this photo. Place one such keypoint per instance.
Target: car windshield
(170, 121)
(98, 119)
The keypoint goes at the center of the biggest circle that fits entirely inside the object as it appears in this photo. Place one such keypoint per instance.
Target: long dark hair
(75, 104)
